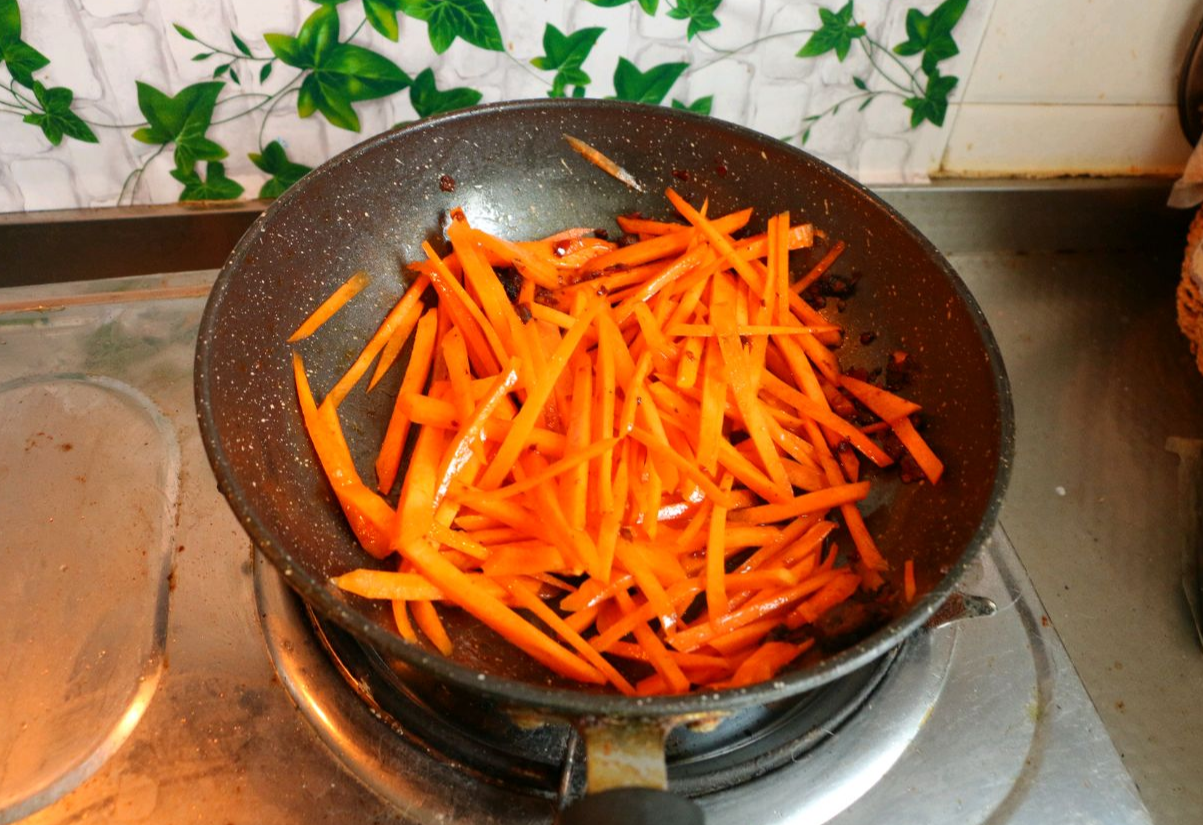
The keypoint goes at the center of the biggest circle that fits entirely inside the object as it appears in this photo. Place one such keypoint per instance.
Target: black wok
(371, 207)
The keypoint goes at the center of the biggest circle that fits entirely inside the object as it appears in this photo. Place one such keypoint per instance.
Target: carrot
(377, 342)
(643, 427)
(816, 272)
(602, 162)
(932, 466)
(353, 286)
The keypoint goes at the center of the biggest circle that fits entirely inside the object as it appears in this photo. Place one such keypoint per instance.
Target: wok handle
(633, 806)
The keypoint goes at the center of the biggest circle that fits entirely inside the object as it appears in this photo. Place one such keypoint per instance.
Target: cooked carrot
(642, 427)
(816, 272)
(602, 162)
(337, 300)
(932, 466)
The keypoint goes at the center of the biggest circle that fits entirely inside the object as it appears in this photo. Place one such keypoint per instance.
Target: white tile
(56, 30)
(130, 52)
(997, 139)
(45, 183)
(1083, 51)
(112, 8)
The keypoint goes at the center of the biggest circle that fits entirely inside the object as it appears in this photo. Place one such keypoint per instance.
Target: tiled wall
(1072, 86)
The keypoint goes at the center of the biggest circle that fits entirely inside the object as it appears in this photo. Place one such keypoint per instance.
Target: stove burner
(547, 759)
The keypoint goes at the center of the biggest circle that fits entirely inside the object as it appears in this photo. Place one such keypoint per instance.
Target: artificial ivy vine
(331, 74)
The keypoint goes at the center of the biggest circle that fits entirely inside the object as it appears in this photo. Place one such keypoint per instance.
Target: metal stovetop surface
(201, 730)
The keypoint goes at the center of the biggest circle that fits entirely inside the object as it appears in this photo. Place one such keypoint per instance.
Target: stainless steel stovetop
(165, 675)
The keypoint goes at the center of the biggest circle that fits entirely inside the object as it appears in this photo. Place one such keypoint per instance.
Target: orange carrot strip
(803, 504)
(540, 272)
(352, 287)
(602, 162)
(522, 559)
(932, 467)
(484, 346)
(656, 652)
(416, 505)
(767, 605)
(716, 585)
(401, 617)
(764, 663)
(536, 397)
(394, 319)
(458, 540)
(662, 246)
(834, 591)
(818, 269)
(429, 623)
(527, 598)
(380, 584)
(471, 430)
(884, 404)
(741, 638)
(688, 468)
(388, 356)
(491, 612)
(908, 580)
(562, 466)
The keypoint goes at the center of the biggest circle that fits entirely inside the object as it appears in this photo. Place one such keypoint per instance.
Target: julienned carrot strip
(458, 540)
(537, 396)
(816, 272)
(706, 330)
(657, 654)
(565, 464)
(523, 559)
(388, 356)
(527, 598)
(401, 619)
(765, 662)
(489, 610)
(716, 585)
(835, 590)
(602, 162)
(932, 467)
(663, 246)
(378, 584)
(471, 429)
(884, 404)
(379, 339)
(431, 626)
(337, 300)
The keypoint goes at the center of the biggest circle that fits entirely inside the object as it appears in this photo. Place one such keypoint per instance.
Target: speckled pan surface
(371, 208)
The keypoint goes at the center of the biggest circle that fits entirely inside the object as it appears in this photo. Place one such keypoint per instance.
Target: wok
(371, 207)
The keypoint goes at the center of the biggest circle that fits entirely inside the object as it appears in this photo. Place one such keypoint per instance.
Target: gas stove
(165, 673)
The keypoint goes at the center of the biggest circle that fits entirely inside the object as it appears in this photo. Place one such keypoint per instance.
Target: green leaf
(578, 91)
(645, 87)
(933, 106)
(701, 105)
(23, 60)
(427, 100)
(234, 75)
(215, 186)
(222, 69)
(203, 56)
(448, 19)
(382, 15)
(266, 71)
(284, 172)
(566, 53)
(325, 94)
(319, 34)
(865, 105)
(183, 32)
(56, 119)
(287, 49)
(836, 33)
(860, 84)
(363, 73)
(932, 34)
(648, 6)
(10, 23)
(182, 120)
(699, 13)
(238, 44)
(805, 136)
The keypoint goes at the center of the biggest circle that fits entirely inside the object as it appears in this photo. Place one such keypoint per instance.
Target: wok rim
(566, 701)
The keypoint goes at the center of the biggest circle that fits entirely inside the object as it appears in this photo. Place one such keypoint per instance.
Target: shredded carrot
(602, 162)
(644, 426)
(353, 286)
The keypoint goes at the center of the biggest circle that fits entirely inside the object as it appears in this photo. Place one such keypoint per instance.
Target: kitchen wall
(151, 101)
